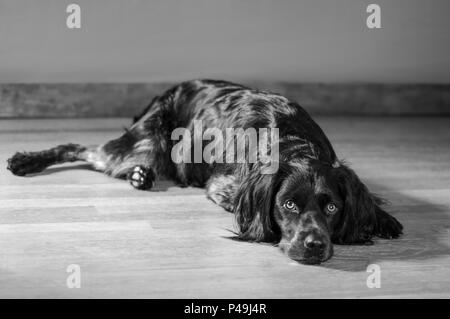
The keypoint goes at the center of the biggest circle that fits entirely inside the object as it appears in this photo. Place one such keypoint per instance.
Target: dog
(311, 202)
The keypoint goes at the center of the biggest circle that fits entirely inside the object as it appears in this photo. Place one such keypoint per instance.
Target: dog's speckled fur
(310, 176)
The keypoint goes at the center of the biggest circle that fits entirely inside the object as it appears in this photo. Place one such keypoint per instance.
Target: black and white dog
(312, 201)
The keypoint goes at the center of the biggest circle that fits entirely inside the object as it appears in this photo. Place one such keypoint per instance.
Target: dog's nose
(314, 242)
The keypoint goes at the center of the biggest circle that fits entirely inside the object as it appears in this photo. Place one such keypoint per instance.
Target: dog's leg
(23, 163)
(106, 158)
(221, 189)
(124, 157)
(141, 154)
(131, 156)
(387, 226)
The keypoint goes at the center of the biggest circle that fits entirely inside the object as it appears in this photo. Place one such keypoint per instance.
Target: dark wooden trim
(127, 99)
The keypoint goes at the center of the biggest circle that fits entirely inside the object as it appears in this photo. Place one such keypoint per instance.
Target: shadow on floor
(160, 186)
(424, 236)
(54, 170)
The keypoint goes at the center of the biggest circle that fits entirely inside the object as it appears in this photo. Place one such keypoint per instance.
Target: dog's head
(307, 206)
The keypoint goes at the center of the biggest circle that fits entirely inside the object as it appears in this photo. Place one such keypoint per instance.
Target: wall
(270, 40)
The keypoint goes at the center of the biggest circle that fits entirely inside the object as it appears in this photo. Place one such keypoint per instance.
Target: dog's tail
(23, 163)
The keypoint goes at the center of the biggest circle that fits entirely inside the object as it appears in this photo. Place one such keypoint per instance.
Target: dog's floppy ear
(253, 206)
(362, 217)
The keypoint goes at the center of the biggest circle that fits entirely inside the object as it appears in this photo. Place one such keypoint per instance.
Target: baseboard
(127, 99)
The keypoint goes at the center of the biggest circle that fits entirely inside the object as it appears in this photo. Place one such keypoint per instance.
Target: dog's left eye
(290, 205)
(331, 208)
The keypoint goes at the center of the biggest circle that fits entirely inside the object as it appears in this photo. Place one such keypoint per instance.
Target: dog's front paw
(388, 227)
(141, 178)
(25, 163)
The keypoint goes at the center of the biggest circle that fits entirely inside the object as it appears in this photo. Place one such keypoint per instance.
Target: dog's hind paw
(141, 178)
(22, 164)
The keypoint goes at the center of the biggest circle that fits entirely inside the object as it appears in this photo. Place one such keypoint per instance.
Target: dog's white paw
(141, 178)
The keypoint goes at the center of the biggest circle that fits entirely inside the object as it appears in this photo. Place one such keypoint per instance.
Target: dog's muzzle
(311, 248)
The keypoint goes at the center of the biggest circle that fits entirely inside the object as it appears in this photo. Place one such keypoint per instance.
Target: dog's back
(222, 104)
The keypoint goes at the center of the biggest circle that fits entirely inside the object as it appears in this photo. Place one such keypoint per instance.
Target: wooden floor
(172, 243)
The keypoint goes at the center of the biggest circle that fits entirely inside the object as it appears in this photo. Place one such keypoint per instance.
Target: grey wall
(169, 40)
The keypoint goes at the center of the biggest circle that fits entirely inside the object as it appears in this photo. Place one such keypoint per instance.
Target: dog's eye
(331, 208)
(290, 205)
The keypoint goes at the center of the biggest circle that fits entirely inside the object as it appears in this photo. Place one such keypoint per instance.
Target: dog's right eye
(290, 205)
